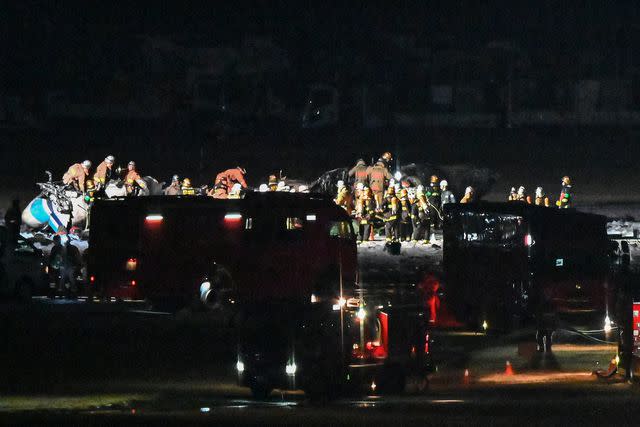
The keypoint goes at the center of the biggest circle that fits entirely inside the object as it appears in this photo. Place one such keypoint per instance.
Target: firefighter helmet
(110, 159)
(444, 184)
(566, 180)
(175, 178)
(186, 183)
(468, 190)
(273, 180)
(90, 185)
(387, 156)
(131, 163)
(360, 186)
(86, 164)
(539, 192)
(434, 179)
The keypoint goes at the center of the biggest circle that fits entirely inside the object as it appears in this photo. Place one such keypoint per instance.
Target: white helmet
(340, 184)
(86, 164)
(411, 192)
(263, 188)
(444, 184)
(132, 163)
(303, 189)
(539, 192)
(521, 190)
(360, 186)
(468, 190)
(110, 159)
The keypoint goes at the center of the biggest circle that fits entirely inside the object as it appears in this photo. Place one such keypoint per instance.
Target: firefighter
(344, 198)
(541, 198)
(378, 176)
(273, 183)
(359, 172)
(77, 174)
(513, 195)
(365, 211)
(220, 190)
(232, 176)
(566, 194)
(447, 195)
(187, 189)
(13, 221)
(420, 217)
(132, 180)
(435, 201)
(405, 225)
(89, 198)
(104, 172)
(359, 188)
(174, 189)
(390, 211)
(521, 195)
(469, 195)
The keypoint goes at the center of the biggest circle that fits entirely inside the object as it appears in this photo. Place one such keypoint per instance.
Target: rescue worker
(420, 217)
(232, 176)
(435, 201)
(390, 211)
(359, 188)
(273, 183)
(469, 195)
(77, 174)
(132, 180)
(541, 198)
(13, 222)
(405, 225)
(447, 195)
(186, 188)
(359, 172)
(386, 158)
(220, 189)
(89, 198)
(513, 195)
(64, 262)
(365, 211)
(104, 172)
(378, 176)
(174, 189)
(521, 195)
(344, 198)
(566, 194)
(236, 191)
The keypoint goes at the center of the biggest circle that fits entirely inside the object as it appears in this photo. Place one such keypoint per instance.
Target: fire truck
(282, 266)
(506, 263)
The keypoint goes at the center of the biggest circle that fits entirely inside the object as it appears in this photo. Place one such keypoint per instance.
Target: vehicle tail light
(426, 344)
(132, 264)
(528, 240)
(133, 283)
(233, 217)
(92, 279)
(154, 218)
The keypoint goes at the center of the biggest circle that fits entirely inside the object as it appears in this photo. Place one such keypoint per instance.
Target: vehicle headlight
(240, 367)
(361, 314)
(290, 368)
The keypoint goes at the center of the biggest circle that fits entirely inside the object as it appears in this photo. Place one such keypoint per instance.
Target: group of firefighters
(411, 213)
(79, 176)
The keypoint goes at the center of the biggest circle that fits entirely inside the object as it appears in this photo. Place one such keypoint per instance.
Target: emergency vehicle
(506, 263)
(284, 268)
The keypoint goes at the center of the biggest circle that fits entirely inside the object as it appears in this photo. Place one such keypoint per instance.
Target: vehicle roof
(531, 212)
(272, 200)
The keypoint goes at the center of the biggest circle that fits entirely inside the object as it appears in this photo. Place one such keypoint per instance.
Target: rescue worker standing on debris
(447, 195)
(104, 172)
(420, 216)
(378, 176)
(365, 211)
(390, 211)
(359, 172)
(232, 176)
(541, 198)
(344, 198)
(77, 174)
(174, 189)
(13, 221)
(435, 201)
(133, 180)
(406, 227)
(469, 195)
(566, 194)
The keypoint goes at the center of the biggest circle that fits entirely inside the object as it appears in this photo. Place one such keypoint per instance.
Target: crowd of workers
(411, 213)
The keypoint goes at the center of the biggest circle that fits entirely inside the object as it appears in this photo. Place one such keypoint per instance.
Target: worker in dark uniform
(566, 194)
(358, 173)
(390, 212)
(420, 217)
(13, 222)
(447, 195)
(365, 211)
(174, 189)
(435, 201)
(406, 227)
(378, 176)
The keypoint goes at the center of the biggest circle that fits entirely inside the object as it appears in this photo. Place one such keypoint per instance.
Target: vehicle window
(492, 229)
(340, 229)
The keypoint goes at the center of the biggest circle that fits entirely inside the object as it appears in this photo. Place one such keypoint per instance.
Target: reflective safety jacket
(378, 176)
(391, 208)
(405, 209)
(75, 174)
(103, 173)
(365, 210)
(345, 200)
(359, 173)
(433, 194)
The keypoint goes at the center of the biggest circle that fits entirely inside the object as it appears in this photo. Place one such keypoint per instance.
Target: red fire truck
(284, 268)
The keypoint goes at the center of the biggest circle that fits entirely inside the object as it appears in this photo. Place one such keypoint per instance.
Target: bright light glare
(311, 217)
(205, 410)
(397, 175)
(607, 325)
(528, 240)
(154, 217)
(291, 368)
(485, 325)
(314, 298)
(342, 302)
(361, 313)
(204, 287)
(232, 216)
(240, 367)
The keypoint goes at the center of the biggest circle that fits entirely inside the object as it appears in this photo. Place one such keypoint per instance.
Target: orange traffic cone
(508, 369)
(465, 379)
